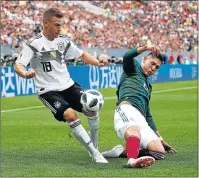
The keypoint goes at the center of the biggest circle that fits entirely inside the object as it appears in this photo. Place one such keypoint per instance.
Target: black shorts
(59, 101)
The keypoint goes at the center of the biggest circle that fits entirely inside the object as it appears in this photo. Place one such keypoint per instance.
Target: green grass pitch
(34, 144)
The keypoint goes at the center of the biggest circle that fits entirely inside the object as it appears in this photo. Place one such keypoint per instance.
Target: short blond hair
(52, 12)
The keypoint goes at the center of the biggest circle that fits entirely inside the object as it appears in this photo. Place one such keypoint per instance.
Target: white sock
(81, 135)
(94, 126)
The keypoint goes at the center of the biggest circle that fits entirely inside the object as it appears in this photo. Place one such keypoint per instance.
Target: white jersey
(48, 59)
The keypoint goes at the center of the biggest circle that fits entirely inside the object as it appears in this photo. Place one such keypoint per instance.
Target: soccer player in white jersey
(47, 53)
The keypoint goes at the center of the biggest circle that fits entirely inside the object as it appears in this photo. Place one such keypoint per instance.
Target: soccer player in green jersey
(132, 120)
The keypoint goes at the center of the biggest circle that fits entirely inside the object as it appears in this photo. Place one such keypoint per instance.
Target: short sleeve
(25, 56)
(73, 52)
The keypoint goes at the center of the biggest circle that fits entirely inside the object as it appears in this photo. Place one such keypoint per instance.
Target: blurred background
(29, 145)
(110, 27)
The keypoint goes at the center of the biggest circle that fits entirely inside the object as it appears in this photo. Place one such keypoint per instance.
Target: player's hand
(154, 49)
(168, 148)
(103, 60)
(29, 74)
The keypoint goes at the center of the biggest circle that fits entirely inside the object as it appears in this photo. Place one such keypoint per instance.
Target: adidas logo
(43, 49)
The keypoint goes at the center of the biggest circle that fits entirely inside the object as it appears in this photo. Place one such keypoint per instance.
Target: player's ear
(45, 22)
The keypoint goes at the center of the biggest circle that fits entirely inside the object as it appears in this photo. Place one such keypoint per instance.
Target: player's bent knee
(132, 131)
(156, 146)
(70, 115)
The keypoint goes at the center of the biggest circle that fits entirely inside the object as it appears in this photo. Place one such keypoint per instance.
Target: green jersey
(134, 86)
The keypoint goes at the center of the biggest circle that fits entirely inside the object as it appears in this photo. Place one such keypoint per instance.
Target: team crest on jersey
(60, 46)
(57, 104)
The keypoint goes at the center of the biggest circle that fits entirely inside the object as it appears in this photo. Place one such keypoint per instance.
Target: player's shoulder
(64, 38)
(34, 39)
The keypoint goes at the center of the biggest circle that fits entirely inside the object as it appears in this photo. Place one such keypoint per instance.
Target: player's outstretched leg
(94, 127)
(93, 121)
(132, 149)
(98, 158)
(118, 151)
(115, 152)
(127, 126)
(82, 136)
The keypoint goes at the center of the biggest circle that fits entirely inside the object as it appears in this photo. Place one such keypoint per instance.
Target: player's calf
(156, 155)
(79, 131)
(93, 121)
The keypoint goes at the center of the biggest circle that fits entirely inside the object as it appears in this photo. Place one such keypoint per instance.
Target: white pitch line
(176, 89)
(106, 98)
(22, 109)
(161, 91)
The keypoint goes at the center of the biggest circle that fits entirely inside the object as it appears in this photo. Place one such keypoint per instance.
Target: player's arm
(129, 61)
(22, 61)
(74, 51)
(155, 50)
(166, 146)
(150, 121)
(86, 57)
(152, 124)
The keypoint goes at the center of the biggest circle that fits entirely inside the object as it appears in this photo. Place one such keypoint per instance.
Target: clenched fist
(103, 60)
(29, 74)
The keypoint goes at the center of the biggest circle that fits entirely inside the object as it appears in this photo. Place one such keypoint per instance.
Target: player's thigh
(125, 116)
(55, 101)
(150, 140)
(73, 96)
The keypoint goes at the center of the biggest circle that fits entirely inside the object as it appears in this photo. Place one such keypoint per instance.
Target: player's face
(151, 65)
(53, 26)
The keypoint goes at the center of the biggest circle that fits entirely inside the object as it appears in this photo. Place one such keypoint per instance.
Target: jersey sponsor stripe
(106, 98)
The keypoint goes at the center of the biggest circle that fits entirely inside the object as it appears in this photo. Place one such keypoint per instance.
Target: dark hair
(52, 12)
(160, 56)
